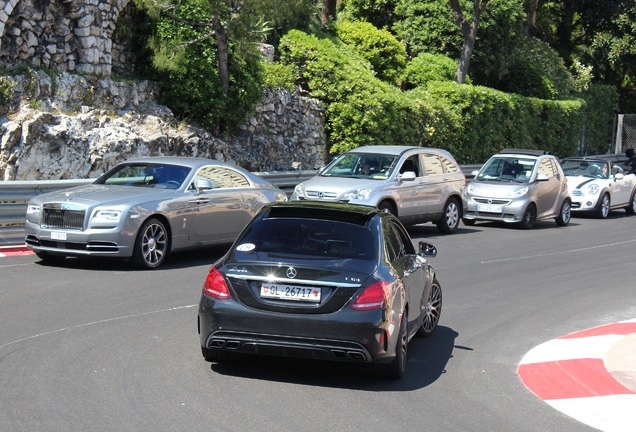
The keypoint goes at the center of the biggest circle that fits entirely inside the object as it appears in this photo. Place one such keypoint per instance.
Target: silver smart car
(519, 186)
(417, 184)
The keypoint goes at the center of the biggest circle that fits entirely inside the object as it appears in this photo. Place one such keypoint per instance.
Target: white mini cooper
(598, 186)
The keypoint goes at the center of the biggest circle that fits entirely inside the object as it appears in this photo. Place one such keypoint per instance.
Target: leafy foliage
(379, 47)
(279, 76)
(429, 67)
(536, 70)
(470, 121)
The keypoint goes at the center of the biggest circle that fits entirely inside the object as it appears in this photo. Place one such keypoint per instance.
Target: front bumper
(79, 243)
(500, 209)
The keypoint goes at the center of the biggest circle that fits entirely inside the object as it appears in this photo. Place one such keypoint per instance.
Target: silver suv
(417, 184)
(519, 186)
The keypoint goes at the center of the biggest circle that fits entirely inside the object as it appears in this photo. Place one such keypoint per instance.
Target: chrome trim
(292, 281)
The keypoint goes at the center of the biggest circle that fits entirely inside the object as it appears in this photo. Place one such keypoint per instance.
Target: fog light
(588, 204)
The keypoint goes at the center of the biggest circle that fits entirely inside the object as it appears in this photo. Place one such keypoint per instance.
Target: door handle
(200, 201)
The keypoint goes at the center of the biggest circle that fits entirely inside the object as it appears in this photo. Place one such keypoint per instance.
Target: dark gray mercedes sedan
(145, 208)
(325, 281)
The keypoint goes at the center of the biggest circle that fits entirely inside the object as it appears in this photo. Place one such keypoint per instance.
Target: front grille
(62, 218)
(577, 193)
(492, 201)
(321, 195)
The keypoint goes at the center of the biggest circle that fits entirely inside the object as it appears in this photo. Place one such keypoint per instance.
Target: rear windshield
(308, 237)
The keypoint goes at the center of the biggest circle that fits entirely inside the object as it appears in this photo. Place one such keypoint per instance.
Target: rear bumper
(346, 335)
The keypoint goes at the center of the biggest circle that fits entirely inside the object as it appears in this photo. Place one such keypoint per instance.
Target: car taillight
(373, 297)
(215, 285)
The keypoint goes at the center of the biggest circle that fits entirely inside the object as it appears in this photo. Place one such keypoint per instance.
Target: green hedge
(471, 122)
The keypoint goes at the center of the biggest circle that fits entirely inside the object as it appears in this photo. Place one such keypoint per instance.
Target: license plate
(290, 292)
(489, 208)
(58, 236)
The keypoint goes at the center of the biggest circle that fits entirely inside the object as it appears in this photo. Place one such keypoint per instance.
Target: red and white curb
(570, 374)
(14, 251)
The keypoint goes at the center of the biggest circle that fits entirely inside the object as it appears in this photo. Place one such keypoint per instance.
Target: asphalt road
(98, 346)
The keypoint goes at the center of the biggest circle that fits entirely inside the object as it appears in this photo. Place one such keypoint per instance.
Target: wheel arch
(166, 223)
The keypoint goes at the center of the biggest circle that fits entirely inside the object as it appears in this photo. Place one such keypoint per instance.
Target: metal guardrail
(15, 195)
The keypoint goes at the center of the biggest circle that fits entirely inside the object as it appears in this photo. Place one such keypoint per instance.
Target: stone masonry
(77, 121)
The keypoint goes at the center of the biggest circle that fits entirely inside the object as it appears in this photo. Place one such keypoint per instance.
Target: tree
(469, 31)
(328, 11)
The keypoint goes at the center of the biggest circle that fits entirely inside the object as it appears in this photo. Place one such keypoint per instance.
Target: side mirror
(427, 249)
(474, 173)
(619, 176)
(203, 185)
(543, 177)
(407, 176)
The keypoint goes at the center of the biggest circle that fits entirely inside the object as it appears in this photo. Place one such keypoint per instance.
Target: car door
(220, 211)
(548, 190)
(621, 189)
(433, 184)
(412, 193)
(404, 260)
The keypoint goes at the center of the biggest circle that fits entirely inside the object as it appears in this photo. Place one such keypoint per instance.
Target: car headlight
(33, 209)
(593, 189)
(357, 194)
(518, 192)
(106, 216)
(280, 196)
(299, 190)
(33, 213)
(470, 189)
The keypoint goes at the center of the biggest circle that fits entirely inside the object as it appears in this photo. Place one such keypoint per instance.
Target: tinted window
(222, 177)
(432, 165)
(411, 164)
(449, 166)
(145, 174)
(309, 237)
(394, 245)
(547, 167)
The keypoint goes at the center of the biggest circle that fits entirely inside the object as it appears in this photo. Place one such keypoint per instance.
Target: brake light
(373, 297)
(215, 285)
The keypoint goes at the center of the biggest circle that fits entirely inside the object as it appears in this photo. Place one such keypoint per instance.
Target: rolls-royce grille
(67, 219)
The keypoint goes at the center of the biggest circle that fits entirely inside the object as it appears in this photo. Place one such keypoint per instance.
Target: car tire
(395, 370)
(603, 208)
(451, 216)
(529, 217)
(388, 206)
(151, 246)
(431, 310)
(631, 208)
(49, 258)
(469, 222)
(565, 214)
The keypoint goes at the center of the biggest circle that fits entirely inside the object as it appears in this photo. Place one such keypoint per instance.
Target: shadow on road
(427, 360)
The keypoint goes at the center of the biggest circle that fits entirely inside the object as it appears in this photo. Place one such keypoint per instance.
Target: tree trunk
(221, 36)
(469, 31)
(531, 11)
(328, 11)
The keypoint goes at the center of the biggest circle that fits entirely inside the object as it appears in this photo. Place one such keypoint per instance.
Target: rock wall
(65, 35)
(54, 130)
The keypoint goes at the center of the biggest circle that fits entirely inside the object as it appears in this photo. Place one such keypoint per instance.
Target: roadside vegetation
(472, 77)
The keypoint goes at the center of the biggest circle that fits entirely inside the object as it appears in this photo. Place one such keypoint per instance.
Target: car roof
(523, 152)
(339, 212)
(193, 162)
(397, 150)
